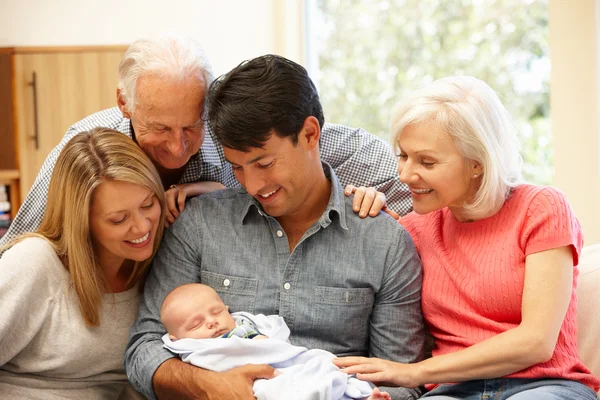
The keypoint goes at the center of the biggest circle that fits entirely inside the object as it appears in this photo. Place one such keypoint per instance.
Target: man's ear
(122, 105)
(310, 133)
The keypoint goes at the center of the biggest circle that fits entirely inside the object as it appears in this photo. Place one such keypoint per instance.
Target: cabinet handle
(35, 136)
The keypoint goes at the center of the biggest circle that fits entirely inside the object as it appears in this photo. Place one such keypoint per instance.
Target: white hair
(481, 128)
(174, 56)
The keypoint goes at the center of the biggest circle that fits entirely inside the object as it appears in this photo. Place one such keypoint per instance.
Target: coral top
(473, 274)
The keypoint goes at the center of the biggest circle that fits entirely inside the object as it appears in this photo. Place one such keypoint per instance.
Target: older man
(286, 243)
(161, 105)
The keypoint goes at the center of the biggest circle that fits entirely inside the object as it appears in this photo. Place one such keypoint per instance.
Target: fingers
(359, 198)
(348, 361)
(366, 201)
(181, 196)
(378, 202)
(361, 369)
(171, 196)
(375, 377)
(391, 212)
(349, 190)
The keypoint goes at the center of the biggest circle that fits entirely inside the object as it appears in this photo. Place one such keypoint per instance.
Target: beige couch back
(588, 322)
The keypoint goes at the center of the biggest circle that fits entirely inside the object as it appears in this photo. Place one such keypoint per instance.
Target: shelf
(10, 177)
(7, 175)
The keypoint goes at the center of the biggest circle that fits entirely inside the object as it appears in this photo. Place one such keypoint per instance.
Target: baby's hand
(259, 337)
(378, 395)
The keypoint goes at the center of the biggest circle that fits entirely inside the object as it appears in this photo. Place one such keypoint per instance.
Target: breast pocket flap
(341, 296)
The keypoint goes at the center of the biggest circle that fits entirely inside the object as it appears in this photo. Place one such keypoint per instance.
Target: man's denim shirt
(351, 286)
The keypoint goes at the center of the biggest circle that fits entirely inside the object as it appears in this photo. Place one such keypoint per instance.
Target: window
(368, 54)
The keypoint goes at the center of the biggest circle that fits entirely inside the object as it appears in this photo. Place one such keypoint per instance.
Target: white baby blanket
(305, 374)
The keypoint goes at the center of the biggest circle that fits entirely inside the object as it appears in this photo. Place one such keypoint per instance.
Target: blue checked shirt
(351, 286)
(357, 157)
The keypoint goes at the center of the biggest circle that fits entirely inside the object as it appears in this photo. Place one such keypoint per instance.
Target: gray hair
(481, 128)
(175, 56)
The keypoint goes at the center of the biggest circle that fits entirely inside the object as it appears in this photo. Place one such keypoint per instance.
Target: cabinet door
(68, 87)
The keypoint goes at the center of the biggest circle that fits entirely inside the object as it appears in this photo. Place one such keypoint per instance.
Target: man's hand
(368, 201)
(175, 379)
(236, 384)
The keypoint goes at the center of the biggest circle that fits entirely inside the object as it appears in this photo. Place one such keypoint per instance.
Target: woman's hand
(177, 194)
(380, 372)
(368, 201)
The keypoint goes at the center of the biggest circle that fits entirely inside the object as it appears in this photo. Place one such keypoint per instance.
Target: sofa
(588, 322)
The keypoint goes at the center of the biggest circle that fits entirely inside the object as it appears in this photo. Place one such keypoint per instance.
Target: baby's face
(205, 317)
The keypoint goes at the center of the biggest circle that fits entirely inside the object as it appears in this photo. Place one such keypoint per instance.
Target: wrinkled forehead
(429, 139)
(156, 96)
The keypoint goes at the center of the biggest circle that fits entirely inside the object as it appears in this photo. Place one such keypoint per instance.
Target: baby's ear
(172, 337)
(227, 307)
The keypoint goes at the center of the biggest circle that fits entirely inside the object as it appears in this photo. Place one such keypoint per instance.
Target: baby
(195, 311)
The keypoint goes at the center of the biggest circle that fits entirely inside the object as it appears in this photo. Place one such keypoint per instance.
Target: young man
(287, 243)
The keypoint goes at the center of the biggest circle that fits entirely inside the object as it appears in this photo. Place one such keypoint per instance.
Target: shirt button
(279, 233)
(226, 282)
(287, 286)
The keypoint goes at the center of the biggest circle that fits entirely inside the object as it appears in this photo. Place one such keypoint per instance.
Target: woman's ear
(477, 170)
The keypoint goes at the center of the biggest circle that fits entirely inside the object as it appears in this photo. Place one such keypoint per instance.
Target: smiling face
(167, 119)
(195, 311)
(436, 173)
(281, 175)
(124, 218)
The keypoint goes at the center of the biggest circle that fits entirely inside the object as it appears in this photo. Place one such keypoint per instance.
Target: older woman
(499, 256)
(69, 292)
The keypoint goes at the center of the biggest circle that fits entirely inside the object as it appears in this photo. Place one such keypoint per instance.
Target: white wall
(575, 107)
(230, 31)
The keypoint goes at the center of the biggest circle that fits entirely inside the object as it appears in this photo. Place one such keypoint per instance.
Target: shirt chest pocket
(236, 292)
(341, 318)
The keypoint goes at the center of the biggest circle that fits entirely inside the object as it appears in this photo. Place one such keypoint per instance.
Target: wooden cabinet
(49, 90)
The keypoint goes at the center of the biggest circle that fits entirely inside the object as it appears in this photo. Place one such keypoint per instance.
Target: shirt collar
(336, 203)
(126, 128)
(211, 152)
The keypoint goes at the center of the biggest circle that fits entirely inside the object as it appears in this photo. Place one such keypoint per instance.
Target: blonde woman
(499, 256)
(69, 291)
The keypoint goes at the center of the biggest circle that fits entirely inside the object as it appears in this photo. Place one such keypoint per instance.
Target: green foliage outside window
(371, 53)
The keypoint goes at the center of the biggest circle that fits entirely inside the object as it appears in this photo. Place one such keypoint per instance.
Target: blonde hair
(174, 56)
(86, 161)
(481, 128)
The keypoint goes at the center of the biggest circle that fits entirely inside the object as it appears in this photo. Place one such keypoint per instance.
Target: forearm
(546, 296)
(198, 188)
(498, 356)
(175, 379)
